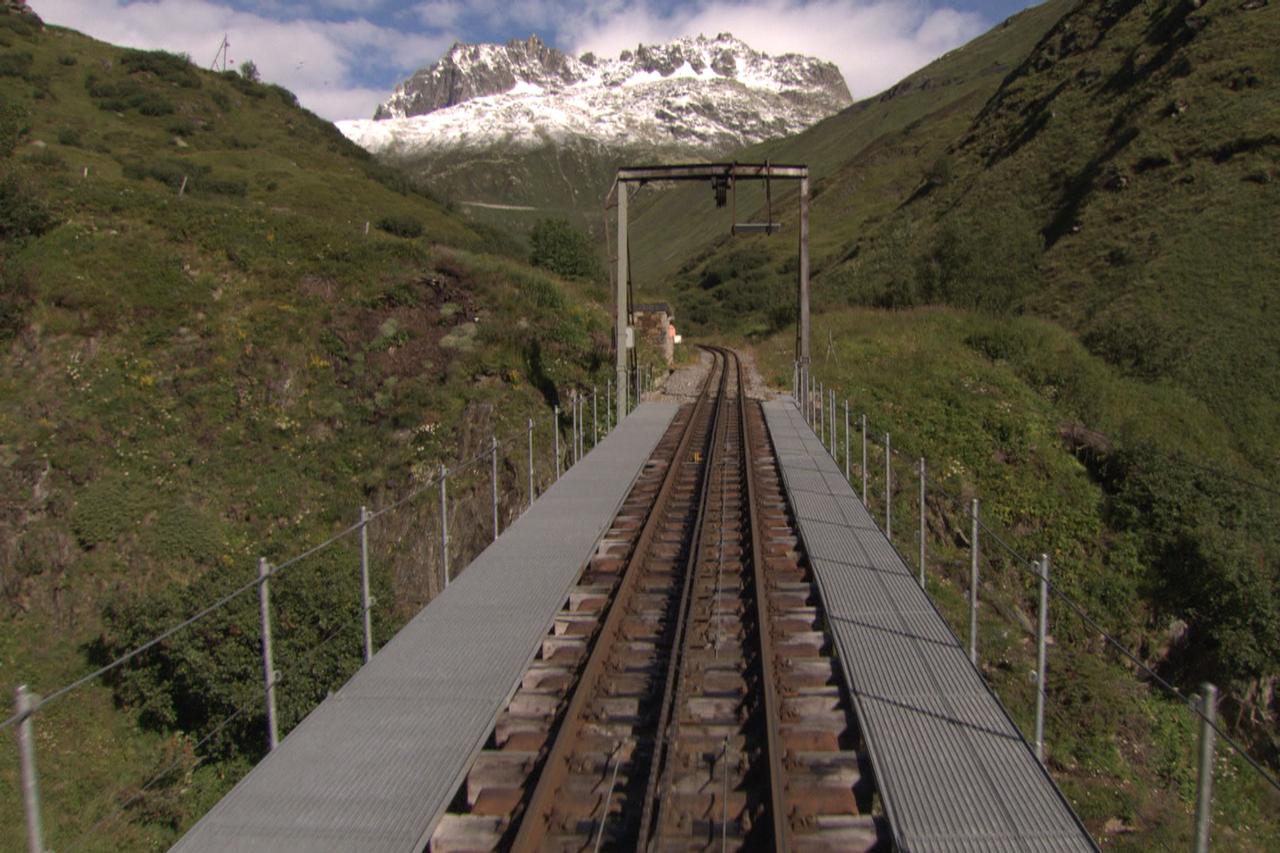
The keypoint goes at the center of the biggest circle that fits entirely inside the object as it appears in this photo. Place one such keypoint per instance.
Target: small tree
(559, 247)
(249, 71)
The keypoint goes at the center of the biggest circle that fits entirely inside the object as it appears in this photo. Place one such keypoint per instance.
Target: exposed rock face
(470, 71)
(698, 94)
(18, 7)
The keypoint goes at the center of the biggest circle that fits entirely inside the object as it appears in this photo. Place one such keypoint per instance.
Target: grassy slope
(1133, 149)
(863, 160)
(1140, 142)
(190, 381)
(992, 428)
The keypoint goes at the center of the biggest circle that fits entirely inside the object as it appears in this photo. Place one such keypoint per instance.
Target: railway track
(686, 697)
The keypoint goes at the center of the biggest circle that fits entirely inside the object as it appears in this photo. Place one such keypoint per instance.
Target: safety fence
(549, 445)
(957, 547)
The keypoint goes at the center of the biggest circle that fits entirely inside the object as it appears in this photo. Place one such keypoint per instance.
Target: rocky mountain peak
(697, 94)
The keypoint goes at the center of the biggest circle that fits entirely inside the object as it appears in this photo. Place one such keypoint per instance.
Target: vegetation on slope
(996, 405)
(224, 329)
(1118, 182)
(1116, 191)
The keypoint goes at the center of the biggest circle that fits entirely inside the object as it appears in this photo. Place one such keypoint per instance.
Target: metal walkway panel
(374, 766)
(953, 770)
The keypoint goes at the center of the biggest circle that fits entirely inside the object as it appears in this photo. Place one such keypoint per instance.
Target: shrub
(107, 507)
(223, 186)
(167, 66)
(559, 247)
(44, 158)
(21, 214)
(67, 60)
(13, 125)
(15, 64)
(15, 299)
(70, 137)
(170, 172)
(401, 226)
(988, 263)
(284, 94)
(249, 71)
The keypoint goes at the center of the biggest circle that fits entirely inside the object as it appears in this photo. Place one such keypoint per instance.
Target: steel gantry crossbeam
(722, 177)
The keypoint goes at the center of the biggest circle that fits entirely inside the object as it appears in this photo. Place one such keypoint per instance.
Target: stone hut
(653, 322)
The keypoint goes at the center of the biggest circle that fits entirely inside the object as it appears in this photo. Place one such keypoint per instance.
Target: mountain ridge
(693, 94)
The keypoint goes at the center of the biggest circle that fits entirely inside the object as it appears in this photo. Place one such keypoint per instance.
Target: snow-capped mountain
(695, 94)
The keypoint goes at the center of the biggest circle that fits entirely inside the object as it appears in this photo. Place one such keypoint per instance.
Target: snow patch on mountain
(693, 94)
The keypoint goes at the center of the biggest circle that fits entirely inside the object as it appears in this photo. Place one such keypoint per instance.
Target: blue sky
(342, 57)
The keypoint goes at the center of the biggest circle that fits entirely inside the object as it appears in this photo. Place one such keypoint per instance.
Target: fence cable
(239, 591)
(240, 711)
(1029, 566)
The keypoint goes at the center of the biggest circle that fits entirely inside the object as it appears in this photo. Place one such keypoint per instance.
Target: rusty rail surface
(686, 698)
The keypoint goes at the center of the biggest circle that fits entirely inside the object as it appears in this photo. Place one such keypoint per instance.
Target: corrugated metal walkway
(953, 771)
(374, 766)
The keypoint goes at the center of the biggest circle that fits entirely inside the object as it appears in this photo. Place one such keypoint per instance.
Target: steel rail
(537, 813)
(769, 676)
(673, 690)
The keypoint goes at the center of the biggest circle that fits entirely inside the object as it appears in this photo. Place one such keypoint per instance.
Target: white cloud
(326, 63)
(343, 68)
(875, 44)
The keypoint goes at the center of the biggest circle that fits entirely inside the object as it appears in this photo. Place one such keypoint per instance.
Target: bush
(43, 158)
(127, 95)
(70, 137)
(989, 263)
(13, 125)
(108, 507)
(169, 172)
(15, 64)
(559, 247)
(67, 60)
(21, 214)
(15, 299)
(401, 226)
(249, 71)
(167, 66)
(284, 94)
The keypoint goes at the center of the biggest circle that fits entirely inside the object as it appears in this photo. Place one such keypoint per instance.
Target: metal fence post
(1204, 795)
(846, 440)
(1042, 660)
(268, 664)
(864, 458)
(493, 481)
(973, 587)
(832, 439)
(364, 583)
(595, 419)
(608, 406)
(820, 413)
(573, 453)
(888, 490)
(24, 705)
(923, 528)
(444, 523)
(555, 432)
(530, 461)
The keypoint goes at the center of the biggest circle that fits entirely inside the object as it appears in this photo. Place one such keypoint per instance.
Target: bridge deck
(374, 766)
(953, 771)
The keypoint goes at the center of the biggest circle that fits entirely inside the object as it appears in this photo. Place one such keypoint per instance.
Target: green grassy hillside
(998, 406)
(1096, 235)
(224, 328)
(864, 162)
